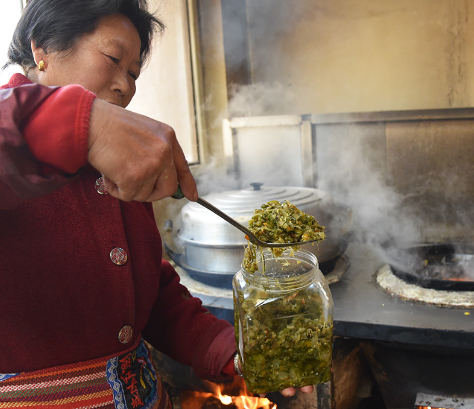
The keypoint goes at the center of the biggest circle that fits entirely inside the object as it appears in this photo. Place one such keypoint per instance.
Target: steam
(214, 177)
(260, 99)
(351, 166)
(350, 169)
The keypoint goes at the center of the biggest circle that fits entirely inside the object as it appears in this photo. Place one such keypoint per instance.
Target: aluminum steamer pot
(211, 250)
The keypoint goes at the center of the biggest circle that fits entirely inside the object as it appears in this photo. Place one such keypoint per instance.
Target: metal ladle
(251, 237)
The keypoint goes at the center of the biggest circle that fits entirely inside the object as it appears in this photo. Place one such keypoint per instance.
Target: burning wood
(224, 396)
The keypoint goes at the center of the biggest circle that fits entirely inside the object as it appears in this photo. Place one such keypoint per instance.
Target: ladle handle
(227, 218)
(179, 195)
(250, 236)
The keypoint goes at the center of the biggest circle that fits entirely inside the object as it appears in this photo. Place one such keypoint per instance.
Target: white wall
(164, 89)
(9, 16)
(364, 55)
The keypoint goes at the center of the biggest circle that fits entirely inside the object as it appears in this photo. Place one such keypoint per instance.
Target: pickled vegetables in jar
(283, 322)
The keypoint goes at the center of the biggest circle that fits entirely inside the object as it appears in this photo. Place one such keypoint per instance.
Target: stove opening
(446, 266)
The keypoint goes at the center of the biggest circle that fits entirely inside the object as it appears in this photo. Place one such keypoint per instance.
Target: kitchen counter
(364, 311)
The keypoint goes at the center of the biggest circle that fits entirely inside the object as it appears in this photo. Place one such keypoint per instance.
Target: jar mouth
(291, 265)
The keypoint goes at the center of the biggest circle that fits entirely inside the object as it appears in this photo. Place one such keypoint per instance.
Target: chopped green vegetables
(283, 324)
(277, 222)
(283, 222)
(287, 341)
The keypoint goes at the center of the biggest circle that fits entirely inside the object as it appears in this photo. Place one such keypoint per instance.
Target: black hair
(56, 25)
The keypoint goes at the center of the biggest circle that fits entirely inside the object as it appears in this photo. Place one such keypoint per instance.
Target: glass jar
(283, 322)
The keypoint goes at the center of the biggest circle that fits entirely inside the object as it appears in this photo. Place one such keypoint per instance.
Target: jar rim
(284, 269)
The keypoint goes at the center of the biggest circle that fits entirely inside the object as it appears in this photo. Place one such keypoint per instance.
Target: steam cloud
(348, 169)
(259, 99)
(351, 172)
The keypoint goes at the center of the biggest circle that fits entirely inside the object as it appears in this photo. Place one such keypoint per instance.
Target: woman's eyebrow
(119, 44)
(115, 42)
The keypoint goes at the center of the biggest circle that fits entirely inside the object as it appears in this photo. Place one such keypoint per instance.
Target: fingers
(140, 193)
(149, 191)
(306, 389)
(288, 392)
(140, 158)
(179, 174)
(184, 175)
(291, 391)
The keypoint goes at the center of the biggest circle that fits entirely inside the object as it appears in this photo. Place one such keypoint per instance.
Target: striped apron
(127, 381)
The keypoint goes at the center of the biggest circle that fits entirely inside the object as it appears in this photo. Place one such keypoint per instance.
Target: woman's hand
(140, 158)
(291, 391)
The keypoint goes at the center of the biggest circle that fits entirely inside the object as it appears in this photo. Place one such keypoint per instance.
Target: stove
(388, 280)
(416, 340)
(362, 310)
(414, 345)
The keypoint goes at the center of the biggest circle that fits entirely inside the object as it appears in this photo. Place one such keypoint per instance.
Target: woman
(83, 282)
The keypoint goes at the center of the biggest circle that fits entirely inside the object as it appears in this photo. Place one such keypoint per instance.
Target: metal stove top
(219, 301)
(363, 310)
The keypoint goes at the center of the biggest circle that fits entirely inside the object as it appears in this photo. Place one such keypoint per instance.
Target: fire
(246, 402)
(430, 407)
(226, 396)
(457, 278)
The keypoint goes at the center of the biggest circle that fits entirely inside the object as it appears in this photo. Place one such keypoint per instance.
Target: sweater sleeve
(57, 132)
(43, 139)
(193, 335)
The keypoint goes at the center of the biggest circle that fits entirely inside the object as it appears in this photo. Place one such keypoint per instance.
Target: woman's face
(106, 61)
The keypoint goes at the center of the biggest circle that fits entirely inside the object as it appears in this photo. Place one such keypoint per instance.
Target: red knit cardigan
(62, 298)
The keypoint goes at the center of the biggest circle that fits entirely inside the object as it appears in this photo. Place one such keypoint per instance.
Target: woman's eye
(115, 60)
(133, 75)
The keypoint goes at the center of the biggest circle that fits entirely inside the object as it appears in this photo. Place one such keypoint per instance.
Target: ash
(395, 286)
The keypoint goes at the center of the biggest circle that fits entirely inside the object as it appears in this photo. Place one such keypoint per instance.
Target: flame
(225, 399)
(239, 398)
(430, 407)
(243, 401)
(248, 402)
(457, 278)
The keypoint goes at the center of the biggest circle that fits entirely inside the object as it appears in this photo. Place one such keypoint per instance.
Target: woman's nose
(121, 84)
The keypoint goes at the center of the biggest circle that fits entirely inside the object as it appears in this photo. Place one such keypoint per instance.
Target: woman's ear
(39, 55)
